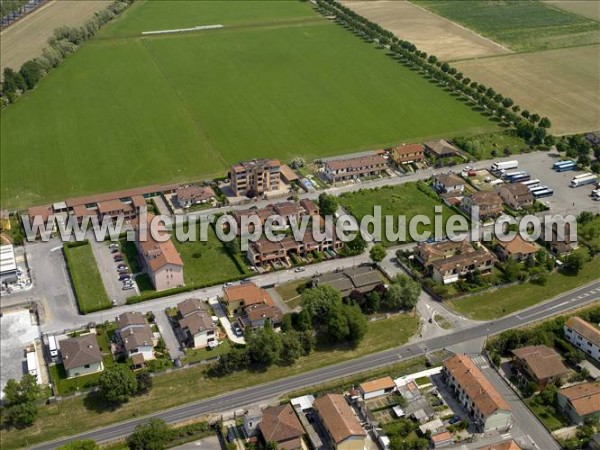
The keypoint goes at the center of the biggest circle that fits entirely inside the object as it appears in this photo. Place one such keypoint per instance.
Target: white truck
(583, 180)
(505, 165)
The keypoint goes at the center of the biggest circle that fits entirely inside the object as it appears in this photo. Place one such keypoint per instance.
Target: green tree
(595, 167)
(13, 81)
(319, 302)
(392, 299)
(86, 444)
(292, 347)
(144, 381)
(21, 415)
(25, 391)
(574, 262)
(264, 346)
(411, 290)
(31, 72)
(152, 435)
(356, 246)
(357, 323)
(584, 161)
(377, 253)
(545, 122)
(511, 270)
(327, 204)
(117, 384)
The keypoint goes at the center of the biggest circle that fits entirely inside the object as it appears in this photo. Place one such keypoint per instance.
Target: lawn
(206, 262)
(87, 283)
(492, 145)
(129, 111)
(71, 416)
(492, 305)
(525, 25)
(589, 234)
(402, 200)
(289, 292)
(193, 355)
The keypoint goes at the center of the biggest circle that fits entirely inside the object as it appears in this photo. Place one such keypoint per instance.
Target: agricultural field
(27, 38)
(525, 25)
(403, 200)
(128, 111)
(428, 31)
(563, 84)
(586, 8)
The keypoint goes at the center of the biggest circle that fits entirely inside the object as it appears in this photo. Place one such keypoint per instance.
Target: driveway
(167, 333)
(226, 324)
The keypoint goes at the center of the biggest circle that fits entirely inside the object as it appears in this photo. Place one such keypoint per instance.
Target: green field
(86, 279)
(524, 25)
(403, 200)
(278, 81)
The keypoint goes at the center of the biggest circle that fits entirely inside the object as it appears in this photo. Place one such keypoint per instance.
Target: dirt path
(27, 38)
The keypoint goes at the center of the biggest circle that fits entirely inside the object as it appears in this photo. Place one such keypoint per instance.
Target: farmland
(128, 111)
(526, 25)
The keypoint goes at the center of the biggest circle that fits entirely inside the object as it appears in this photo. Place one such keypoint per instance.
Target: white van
(52, 347)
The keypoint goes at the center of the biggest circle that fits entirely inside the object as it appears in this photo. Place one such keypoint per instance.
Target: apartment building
(254, 178)
(350, 168)
(406, 154)
(583, 335)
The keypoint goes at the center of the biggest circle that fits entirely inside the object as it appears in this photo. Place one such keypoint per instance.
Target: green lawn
(87, 283)
(524, 25)
(492, 305)
(289, 292)
(194, 355)
(71, 416)
(589, 234)
(484, 145)
(403, 200)
(551, 421)
(206, 262)
(128, 111)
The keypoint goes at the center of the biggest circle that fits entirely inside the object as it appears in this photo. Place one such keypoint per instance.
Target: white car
(299, 269)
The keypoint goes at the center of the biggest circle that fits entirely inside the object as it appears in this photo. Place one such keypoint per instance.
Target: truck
(583, 180)
(505, 165)
(52, 348)
(32, 365)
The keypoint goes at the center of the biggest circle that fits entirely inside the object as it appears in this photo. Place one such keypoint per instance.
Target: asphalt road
(243, 397)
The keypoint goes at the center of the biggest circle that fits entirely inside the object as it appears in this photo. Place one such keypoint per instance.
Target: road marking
(56, 248)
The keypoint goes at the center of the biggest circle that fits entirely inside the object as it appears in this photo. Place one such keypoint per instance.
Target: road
(250, 395)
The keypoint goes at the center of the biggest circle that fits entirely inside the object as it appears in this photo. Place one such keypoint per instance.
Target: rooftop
(338, 417)
(190, 305)
(377, 385)
(249, 293)
(585, 329)
(584, 397)
(280, 424)
(157, 253)
(486, 198)
(80, 351)
(356, 162)
(449, 179)
(519, 245)
(543, 362)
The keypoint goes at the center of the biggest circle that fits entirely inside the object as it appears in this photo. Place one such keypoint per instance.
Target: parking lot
(17, 331)
(108, 271)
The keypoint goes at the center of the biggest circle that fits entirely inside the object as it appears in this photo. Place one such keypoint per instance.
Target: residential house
(406, 154)
(196, 323)
(237, 298)
(487, 203)
(194, 195)
(517, 248)
(256, 177)
(135, 335)
(81, 355)
(442, 439)
(280, 424)
(288, 174)
(255, 316)
(448, 182)
(580, 402)
(516, 195)
(350, 168)
(377, 388)
(440, 149)
(542, 364)
(341, 424)
(448, 261)
(485, 405)
(558, 238)
(159, 258)
(265, 251)
(362, 279)
(4, 220)
(583, 335)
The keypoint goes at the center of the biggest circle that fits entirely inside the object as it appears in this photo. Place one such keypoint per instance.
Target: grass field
(492, 305)
(206, 262)
(562, 84)
(74, 415)
(129, 111)
(289, 292)
(87, 283)
(525, 25)
(587, 8)
(405, 199)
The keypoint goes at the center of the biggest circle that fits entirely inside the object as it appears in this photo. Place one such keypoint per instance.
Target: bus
(564, 162)
(32, 363)
(543, 193)
(568, 165)
(531, 183)
(519, 178)
(541, 187)
(582, 181)
(513, 173)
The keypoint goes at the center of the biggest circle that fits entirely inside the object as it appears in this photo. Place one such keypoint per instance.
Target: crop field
(525, 25)
(587, 8)
(278, 81)
(428, 31)
(563, 84)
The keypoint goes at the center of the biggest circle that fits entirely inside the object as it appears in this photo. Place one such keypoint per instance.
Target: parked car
(126, 287)
(114, 249)
(237, 330)
(113, 245)
(299, 269)
(118, 255)
(454, 420)
(124, 276)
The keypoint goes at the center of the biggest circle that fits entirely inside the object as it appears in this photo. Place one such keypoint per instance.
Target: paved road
(247, 396)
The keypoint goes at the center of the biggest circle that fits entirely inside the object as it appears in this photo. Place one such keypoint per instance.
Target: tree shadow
(94, 402)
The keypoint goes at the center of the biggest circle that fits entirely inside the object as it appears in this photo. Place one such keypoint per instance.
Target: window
(87, 366)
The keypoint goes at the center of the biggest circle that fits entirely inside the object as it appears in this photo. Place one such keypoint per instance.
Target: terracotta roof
(449, 179)
(441, 437)
(338, 417)
(585, 329)
(309, 206)
(195, 193)
(197, 322)
(460, 260)
(519, 245)
(517, 189)
(259, 312)
(356, 163)
(42, 211)
(288, 173)
(191, 305)
(408, 149)
(79, 351)
(477, 387)
(444, 249)
(82, 211)
(486, 198)
(377, 385)
(249, 293)
(280, 424)
(113, 205)
(543, 362)
(138, 201)
(505, 445)
(157, 254)
(584, 397)
(288, 208)
(116, 195)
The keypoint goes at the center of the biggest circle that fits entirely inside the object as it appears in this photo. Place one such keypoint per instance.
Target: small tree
(152, 435)
(117, 384)
(377, 253)
(86, 444)
(21, 415)
(327, 204)
(144, 381)
(574, 263)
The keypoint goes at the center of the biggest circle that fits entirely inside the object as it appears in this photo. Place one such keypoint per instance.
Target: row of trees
(64, 41)
(529, 126)
(577, 146)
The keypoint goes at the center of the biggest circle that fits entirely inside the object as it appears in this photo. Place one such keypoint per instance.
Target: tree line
(64, 41)
(529, 126)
